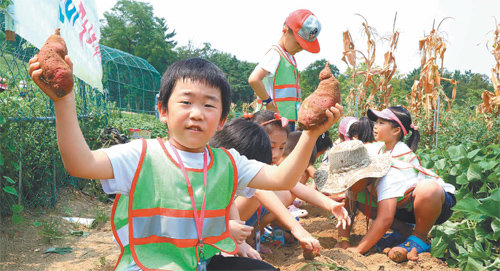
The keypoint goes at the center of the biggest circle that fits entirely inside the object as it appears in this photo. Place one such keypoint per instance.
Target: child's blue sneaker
(415, 242)
(389, 240)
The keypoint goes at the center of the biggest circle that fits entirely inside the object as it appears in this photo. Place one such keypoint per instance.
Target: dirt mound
(322, 227)
(21, 247)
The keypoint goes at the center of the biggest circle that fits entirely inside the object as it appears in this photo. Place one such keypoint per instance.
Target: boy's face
(383, 130)
(290, 42)
(194, 115)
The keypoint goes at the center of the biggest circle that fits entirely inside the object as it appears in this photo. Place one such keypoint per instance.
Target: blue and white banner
(78, 20)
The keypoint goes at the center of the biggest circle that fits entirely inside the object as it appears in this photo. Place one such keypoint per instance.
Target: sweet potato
(412, 255)
(398, 254)
(312, 110)
(309, 254)
(55, 71)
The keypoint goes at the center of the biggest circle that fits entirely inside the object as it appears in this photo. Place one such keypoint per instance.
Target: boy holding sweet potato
(275, 80)
(194, 103)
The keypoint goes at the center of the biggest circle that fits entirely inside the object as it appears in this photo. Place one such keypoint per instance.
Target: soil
(22, 246)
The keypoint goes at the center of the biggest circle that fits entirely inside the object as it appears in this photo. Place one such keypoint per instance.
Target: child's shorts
(252, 220)
(446, 211)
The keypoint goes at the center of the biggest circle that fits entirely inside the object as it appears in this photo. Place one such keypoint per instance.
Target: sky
(246, 29)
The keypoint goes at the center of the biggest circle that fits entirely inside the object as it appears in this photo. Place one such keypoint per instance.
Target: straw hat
(350, 162)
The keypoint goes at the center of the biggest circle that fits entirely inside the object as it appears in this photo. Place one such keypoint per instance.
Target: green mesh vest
(286, 90)
(154, 226)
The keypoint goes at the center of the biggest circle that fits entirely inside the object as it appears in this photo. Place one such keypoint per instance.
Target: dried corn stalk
(491, 100)
(374, 91)
(426, 91)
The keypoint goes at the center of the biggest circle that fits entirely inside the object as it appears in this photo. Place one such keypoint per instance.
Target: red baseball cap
(306, 28)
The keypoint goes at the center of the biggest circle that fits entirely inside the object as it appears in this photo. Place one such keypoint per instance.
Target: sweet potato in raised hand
(312, 110)
(56, 73)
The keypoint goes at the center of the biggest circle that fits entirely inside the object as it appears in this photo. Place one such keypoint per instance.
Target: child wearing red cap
(275, 80)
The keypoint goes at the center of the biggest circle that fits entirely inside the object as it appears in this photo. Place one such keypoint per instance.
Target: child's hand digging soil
(310, 245)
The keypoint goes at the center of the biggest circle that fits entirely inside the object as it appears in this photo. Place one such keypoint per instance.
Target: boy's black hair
(324, 142)
(291, 142)
(197, 70)
(245, 136)
(362, 129)
(405, 117)
(267, 115)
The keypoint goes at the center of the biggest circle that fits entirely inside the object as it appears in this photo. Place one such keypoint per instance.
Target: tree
(131, 27)
(469, 85)
(236, 71)
(469, 88)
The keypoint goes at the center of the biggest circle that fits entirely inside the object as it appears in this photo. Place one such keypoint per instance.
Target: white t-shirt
(396, 182)
(270, 63)
(125, 159)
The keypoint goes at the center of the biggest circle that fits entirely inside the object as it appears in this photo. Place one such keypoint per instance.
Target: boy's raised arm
(287, 174)
(77, 157)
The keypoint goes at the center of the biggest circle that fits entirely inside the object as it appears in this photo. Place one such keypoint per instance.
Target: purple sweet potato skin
(312, 110)
(55, 71)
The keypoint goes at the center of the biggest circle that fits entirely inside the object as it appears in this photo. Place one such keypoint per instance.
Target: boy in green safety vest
(275, 80)
(175, 192)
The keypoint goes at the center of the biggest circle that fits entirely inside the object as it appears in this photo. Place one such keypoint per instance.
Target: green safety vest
(286, 89)
(154, 225)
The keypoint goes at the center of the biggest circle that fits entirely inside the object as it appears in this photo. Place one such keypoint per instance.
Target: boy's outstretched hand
(337, 209)
(35, 72)
(333, 114)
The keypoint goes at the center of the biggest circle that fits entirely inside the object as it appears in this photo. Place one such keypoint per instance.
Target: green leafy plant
(127, 120)
(4, 4)
(16, 209)
(67, 211)
(28, 128)
(101, 216)
(471, 239)
(50, 229)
